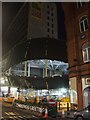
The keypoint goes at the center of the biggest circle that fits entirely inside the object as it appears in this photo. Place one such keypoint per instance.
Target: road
(15, 114)
(9, 113)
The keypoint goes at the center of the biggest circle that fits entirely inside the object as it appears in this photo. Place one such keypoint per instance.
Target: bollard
(63, 114)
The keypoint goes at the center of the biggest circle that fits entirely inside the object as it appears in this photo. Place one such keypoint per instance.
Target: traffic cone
(46, 113)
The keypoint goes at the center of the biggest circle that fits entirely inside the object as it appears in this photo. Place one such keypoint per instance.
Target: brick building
(78, 48)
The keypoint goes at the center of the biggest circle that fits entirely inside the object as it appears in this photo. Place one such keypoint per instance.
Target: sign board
(52, 102)
(36, 10)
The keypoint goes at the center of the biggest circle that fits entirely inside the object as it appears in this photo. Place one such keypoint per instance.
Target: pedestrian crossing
(16, 116)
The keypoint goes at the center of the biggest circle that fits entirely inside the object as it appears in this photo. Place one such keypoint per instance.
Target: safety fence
(41, 111)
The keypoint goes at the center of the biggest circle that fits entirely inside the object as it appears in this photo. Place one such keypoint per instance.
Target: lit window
(86, 52)
(83, 23)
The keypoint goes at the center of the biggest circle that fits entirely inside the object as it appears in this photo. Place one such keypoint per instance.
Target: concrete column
(25, 70)
(43, 72)
(29, 69)
(46, 68)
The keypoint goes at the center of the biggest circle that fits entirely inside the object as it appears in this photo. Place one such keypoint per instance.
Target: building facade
(78, 48)
(42, 20)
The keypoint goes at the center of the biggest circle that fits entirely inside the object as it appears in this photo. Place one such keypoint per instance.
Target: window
(52, 25)
(83, 23)
(47, 12)
(48, 17)
(48, 23)
(52, 19)
(51, 14)
(52, 31)
(48, 30)
(86, 52)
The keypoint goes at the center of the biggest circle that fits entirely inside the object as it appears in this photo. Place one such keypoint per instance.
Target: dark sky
(9, 10)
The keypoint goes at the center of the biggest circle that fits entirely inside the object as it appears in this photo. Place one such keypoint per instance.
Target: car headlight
(87, 110)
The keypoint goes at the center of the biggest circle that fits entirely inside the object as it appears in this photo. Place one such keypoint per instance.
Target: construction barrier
(43, 110)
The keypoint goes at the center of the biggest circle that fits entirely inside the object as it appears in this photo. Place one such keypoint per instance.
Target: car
(83, 114)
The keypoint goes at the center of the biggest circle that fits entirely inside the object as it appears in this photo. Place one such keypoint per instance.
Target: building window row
(50, 20)
(50, 36)
(48, 24)
(50, 8)
(84, 23)
(52, 31)
(49, 13)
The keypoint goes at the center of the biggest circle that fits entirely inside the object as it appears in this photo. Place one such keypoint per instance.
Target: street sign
(52, 102)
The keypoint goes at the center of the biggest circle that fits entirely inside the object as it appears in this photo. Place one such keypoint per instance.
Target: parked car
(83, 114)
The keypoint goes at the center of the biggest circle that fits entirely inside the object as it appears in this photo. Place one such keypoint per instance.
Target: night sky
(9, 10)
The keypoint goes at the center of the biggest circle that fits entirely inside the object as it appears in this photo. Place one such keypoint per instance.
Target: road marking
(20, 116)
(7, 113)
(16, 118)
(11, 113)
(10, 117)
(34, 116)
